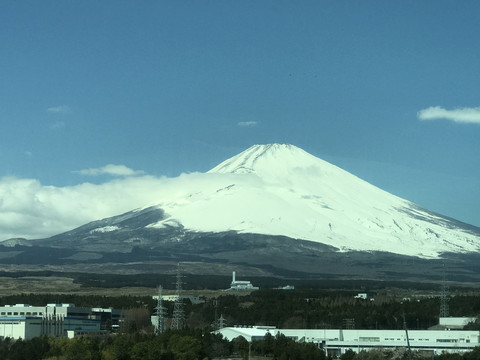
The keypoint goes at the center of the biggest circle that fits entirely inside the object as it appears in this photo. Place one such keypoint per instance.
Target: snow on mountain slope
(282, 190)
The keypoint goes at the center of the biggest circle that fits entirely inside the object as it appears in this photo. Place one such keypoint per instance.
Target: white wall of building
(22, 321)
(339, 340)
(457, 322)
(20, 328)
(14, 329)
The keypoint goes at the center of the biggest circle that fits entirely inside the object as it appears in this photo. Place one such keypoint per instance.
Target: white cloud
(247, 123)
(61, 109)
(111, 169)
(463, 115)
(31, 210)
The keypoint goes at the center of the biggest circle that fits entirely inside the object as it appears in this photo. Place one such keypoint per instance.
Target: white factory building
(23, 321)
(338, 341)
(194, 299)
(241, 285)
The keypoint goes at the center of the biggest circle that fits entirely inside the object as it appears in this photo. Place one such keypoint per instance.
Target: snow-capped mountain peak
(273, 206)
(280, 189)
(271, 159)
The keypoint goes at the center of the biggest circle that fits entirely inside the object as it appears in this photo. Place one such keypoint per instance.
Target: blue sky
(388, 90)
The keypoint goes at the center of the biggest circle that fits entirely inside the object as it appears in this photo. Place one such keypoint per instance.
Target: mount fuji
(282, 190)
(272, 206)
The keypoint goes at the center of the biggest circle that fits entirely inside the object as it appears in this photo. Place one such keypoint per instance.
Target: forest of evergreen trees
(303, 308)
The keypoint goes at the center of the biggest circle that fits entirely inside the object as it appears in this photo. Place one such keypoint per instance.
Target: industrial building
(241, 285)
(338, 341)
(23, 321)
(194, 299)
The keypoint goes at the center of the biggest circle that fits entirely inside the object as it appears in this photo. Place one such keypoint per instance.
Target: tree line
(317, 309)
(185, 344)
(303, 308)
(191, 344)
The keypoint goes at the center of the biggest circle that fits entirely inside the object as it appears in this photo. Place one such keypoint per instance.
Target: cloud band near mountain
(111, 169)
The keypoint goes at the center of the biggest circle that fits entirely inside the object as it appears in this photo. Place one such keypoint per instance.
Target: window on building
(447, 340)
(369, 338)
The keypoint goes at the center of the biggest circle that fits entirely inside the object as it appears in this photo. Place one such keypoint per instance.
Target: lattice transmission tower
(218, 322)
(222, 322)
(178, 319)
(444, 296)
(160, 313)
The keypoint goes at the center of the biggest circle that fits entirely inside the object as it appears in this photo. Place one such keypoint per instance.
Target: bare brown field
(64, 285)
(134, 268)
